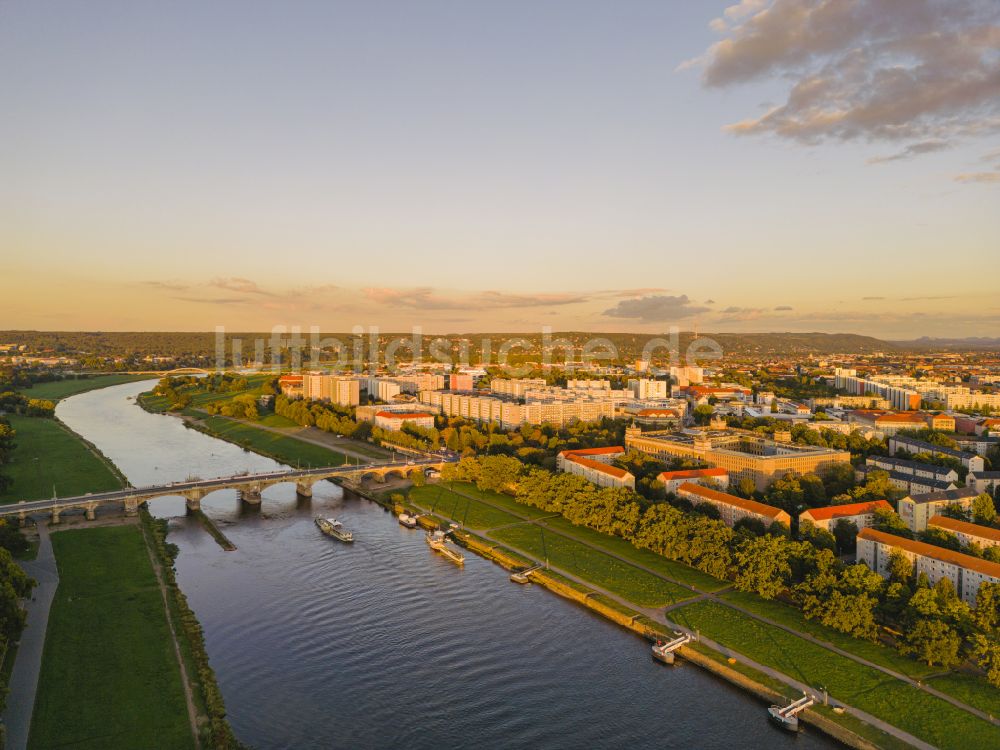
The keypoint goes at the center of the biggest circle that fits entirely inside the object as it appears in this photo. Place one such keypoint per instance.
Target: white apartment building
(862, 514)
(515, 386)
(965, 572)
(732, 508)
(335, 389)
(646, 388)
(967, 533)
(687, 375)
(394, 420)
(917, 510)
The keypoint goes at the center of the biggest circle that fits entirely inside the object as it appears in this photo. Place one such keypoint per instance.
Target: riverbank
(57, 390)
(109, 674)
(50, 458)
(919, 711)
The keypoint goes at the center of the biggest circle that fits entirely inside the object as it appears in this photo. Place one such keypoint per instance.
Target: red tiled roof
(972, 529)
(840, 511)
(289, 379)
(669, 476)
(598, 466)
(909, 417)
(929, 550)
(657, 413)
(721, 497)
(403, 414)
(610, 449)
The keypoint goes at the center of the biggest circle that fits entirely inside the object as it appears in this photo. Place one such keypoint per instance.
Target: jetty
(664, 652)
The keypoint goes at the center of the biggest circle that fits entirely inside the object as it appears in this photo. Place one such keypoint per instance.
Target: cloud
(783, 308)
(655, 308)
(237, 284)
(872, 298)
(710, 302)
(982, 177)
(914, 149)
(170, 286)
(889, 70)
(924, 299)
(424, 298)
(215, 300)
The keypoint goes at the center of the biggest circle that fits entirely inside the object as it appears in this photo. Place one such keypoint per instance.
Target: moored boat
(438, 541)
(333, 527)
(410, 522)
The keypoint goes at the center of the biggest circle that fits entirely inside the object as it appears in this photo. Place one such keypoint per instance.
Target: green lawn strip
(623, 548)
(59, 389)
(971, 689)
(64, 462)
(459, 508)
(109, 675)
(607, 601)
(909, 708)
(627, 581)
(283, 448)
(278, 421)
(792, 617)
(155, 404)
(506, 502)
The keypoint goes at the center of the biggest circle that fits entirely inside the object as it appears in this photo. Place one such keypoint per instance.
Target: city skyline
(718, 166)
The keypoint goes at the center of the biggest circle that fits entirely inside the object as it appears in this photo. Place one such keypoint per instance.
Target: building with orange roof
(966, 573)
(967, 533)
(290, 385)
(605, 454)
(862, 514)
(890, 424)
(732, 508)
(598, 472)
(715, 477)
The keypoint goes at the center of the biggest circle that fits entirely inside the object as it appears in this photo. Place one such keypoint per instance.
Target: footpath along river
(382, 644)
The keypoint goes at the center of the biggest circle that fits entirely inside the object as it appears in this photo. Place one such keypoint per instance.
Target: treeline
(7, 434)
(15, 585)
(13, 402)
(939, 628)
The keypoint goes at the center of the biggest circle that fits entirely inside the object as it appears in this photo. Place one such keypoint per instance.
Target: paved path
(27, 667)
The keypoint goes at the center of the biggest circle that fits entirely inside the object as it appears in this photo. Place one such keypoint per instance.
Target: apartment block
(967, 533)
(711, 477)
(965, 572)
(335, 389)
(732, 508)
(862, 514)
(917, 510)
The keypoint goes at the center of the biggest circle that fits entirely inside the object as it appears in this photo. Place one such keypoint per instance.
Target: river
(382, 644)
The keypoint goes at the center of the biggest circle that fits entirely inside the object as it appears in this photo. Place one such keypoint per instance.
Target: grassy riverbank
(905, 706)
(48, 455)
(282, 448)
(60, 389)
(110, 676)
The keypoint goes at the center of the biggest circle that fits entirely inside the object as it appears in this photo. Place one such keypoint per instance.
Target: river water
(382, 644)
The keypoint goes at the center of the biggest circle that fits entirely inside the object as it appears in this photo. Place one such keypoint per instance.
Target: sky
(465, 166)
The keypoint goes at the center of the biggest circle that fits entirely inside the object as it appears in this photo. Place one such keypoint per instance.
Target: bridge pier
(91, 512)
(55, 516)
(304, 489)
(131, 506)
(250, 494)
(22, 519)
(193, 500)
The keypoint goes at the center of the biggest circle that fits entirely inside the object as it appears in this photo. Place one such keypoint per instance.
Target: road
(28, 665)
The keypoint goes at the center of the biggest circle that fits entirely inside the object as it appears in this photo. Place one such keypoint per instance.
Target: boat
(410, 522)
(333, 527)
(438, 541)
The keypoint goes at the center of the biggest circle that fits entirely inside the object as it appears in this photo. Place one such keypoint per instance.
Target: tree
(889, 521)
(900, 568)
(762, 566)
(702, 414)
(11, 539)
(986, 614)
(983, 510)
(987, 653)
(845, 533)
(933, 642)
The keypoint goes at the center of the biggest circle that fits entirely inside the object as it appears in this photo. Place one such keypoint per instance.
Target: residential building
(732, 508)
(515, 386)
(459, 381)
(966, 573)
(335, 389)
(917, 510)
(739, 452)
(593, 469)
(390, 420)
(970, 461)
(862, 514)
(644, 388)
(913, 468)
(291, 385)
(588, 385)
(890, 424)
(687, 375)
(894, 390)
(908, 483)
(710, 477)
(967, 533)
(984, 481)
(606, 455)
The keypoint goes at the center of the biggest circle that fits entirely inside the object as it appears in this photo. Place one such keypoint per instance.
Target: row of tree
(939, 628)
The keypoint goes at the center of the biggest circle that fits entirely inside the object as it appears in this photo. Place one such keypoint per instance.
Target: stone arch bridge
(248, 486)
